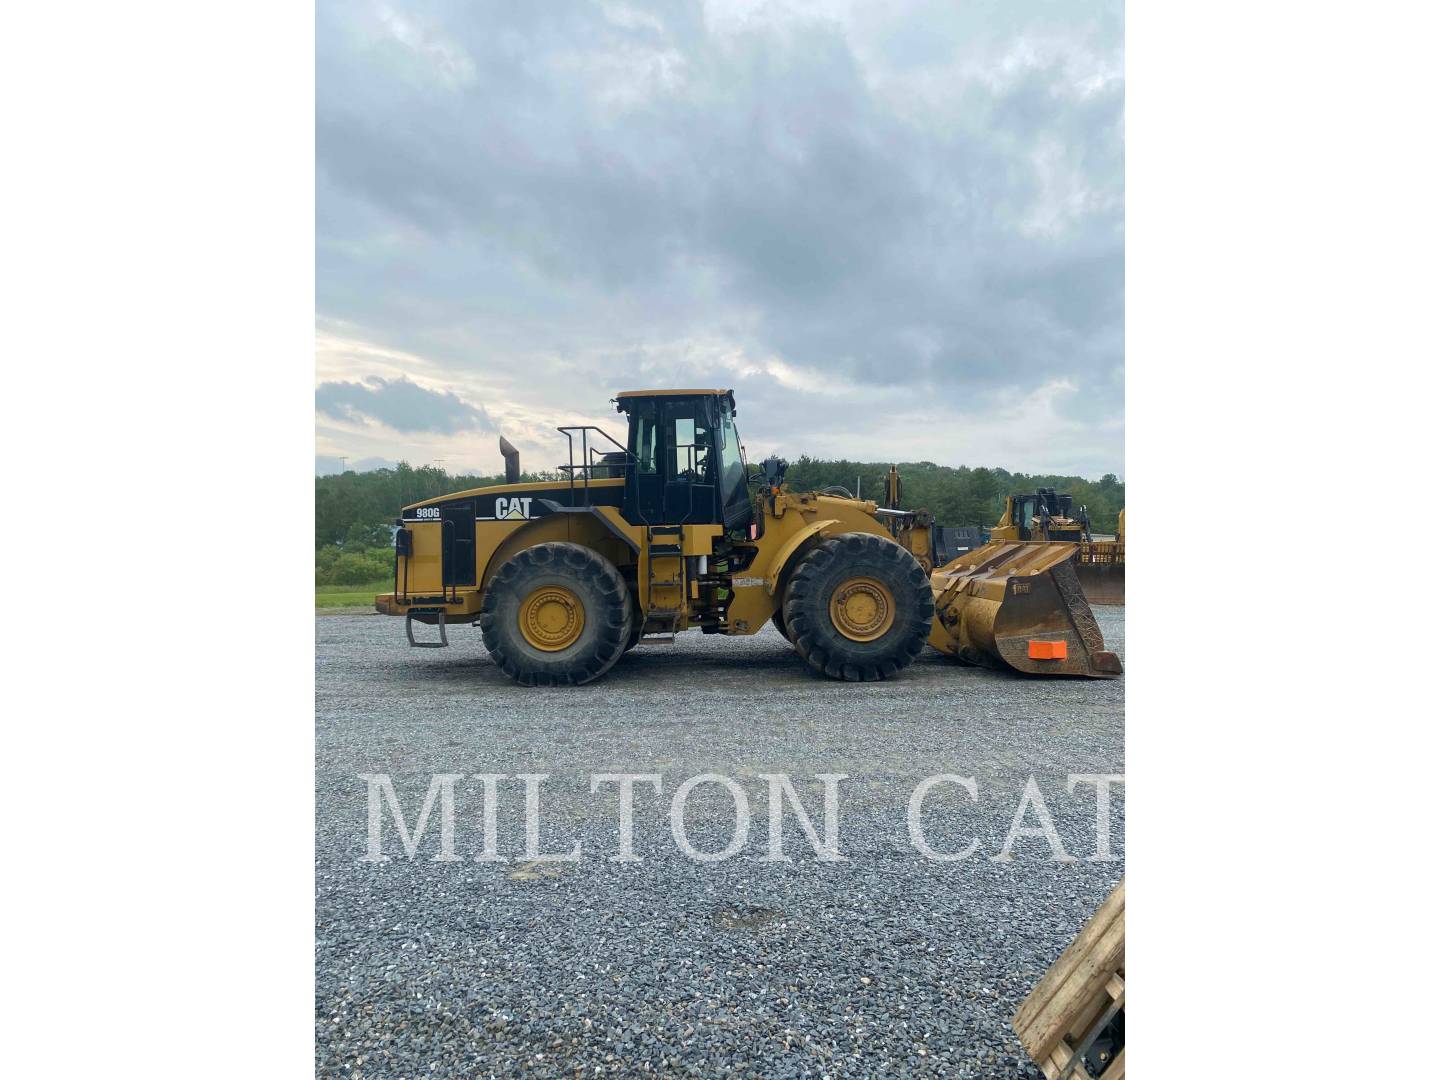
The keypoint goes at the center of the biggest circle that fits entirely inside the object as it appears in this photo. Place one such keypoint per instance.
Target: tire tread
(588, 567)
(806, 612)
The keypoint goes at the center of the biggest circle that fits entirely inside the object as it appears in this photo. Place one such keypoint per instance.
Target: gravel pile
(883, 962)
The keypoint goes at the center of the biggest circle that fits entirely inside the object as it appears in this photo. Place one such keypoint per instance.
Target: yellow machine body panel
(503, 525)
(776, 559)
(1005, 528)
(789, 524)
(531, 488)
(424, 561)
(498, 541)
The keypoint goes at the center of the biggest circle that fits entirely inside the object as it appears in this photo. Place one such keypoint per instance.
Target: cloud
(327, 466)
(399, 404)
(840, 206)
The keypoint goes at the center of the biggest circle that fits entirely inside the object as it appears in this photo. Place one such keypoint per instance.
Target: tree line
(354, 510)
(958, 494)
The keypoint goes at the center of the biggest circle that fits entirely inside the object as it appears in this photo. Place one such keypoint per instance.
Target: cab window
(732, 465)
(645, 444)
(691, 441)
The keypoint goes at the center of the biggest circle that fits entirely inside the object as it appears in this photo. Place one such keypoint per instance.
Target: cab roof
(669, 393)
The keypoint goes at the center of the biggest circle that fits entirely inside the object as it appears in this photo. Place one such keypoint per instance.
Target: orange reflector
(1047, 650)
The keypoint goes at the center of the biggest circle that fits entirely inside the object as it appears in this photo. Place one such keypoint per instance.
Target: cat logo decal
(516, 509)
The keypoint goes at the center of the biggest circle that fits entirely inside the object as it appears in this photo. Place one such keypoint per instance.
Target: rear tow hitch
(439, 614)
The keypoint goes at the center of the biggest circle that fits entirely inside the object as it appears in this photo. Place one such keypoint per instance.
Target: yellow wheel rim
(551, 618)
(862, 609)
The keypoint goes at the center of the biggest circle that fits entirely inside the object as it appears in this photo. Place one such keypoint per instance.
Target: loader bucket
(1101, 570)
(1018, 605)
(1102, 583)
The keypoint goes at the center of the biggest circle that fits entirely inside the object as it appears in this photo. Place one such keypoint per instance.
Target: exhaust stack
(512, 461)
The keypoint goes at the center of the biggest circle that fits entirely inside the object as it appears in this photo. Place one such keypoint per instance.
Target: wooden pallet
(1075, 1000)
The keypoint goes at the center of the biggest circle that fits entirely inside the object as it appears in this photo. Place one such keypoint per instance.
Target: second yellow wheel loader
(675, 531)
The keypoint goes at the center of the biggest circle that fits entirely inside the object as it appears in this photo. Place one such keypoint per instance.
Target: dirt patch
(746, 918)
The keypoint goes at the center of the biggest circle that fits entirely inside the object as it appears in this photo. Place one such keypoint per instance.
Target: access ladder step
(666, 540)
(439, 614)
(664, 620)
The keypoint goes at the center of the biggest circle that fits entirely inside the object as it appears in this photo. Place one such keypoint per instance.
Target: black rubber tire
(807, 607)
(601, 590)
(778, 621)
(637, 627)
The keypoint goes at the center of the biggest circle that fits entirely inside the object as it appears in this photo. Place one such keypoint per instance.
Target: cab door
(689, 497)
(673, 441)
(645, 485)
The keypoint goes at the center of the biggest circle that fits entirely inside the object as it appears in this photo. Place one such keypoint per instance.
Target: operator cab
(1037, 516)
(686, 464)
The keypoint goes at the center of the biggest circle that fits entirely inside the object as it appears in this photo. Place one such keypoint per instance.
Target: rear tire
(859, 608)
(556, 615)
(637, 627)
(778, 621)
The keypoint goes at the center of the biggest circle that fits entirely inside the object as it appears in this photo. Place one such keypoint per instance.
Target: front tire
(858, 607)
(556, 615)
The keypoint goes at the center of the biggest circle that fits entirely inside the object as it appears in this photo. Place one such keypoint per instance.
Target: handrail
(447, 563)
(588, 465)
(586, 468)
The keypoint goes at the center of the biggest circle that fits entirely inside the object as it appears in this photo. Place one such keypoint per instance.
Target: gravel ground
(881, 963)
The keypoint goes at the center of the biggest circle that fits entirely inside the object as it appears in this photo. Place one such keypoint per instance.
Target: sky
(895, 230)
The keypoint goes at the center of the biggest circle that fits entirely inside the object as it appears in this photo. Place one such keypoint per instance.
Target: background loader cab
(1043, 515)
(685, 464)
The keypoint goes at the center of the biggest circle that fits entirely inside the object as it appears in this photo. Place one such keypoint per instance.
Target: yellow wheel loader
(675, 531)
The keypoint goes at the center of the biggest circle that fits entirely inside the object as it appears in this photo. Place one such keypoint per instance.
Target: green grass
(359, 597)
